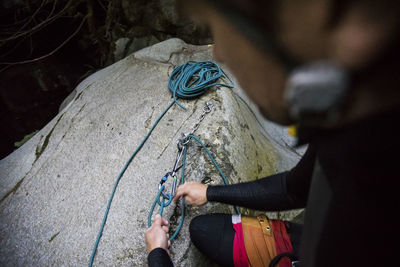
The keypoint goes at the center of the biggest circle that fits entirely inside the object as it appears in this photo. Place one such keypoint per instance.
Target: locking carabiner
(181, 149)
(162, 181)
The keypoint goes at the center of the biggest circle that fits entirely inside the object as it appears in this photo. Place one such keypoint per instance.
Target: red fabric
(282, 242)
(239, 251)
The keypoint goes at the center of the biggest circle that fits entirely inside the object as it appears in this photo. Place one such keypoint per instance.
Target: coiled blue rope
(192, 79)
(187, 81)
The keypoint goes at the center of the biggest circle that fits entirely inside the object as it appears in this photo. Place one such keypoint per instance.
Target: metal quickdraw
(207, 109)
(164, 199)
(163, 180)
(175, 169)
(182, 142)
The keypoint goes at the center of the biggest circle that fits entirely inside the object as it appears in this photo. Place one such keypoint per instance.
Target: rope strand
(164, 204)
(187, 81)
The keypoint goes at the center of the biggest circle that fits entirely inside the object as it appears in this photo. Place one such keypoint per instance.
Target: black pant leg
(295, 231)
(213, 235)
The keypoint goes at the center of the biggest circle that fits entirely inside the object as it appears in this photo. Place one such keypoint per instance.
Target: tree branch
(37, 27)
(49, 54)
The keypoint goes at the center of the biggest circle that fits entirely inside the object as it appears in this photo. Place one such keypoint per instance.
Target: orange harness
(258, 240)
(261, 243)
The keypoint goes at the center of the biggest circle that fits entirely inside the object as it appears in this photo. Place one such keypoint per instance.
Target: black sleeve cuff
(159, 257)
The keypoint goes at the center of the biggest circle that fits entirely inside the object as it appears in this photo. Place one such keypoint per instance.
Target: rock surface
(54, 189)
(148, 22)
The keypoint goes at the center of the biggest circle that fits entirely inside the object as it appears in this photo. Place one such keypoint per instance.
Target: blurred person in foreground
(332, 68)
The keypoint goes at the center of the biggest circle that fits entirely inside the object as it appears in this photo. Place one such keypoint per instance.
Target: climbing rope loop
(187, 81)
(166, 201)
(161, 201)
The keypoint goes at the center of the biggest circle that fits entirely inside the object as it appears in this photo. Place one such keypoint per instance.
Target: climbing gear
(192, 79)
(258, 240)
(172, 174)
(164, 199)
(182, 143)
(163, 180)
(187, 81)
(266, 241)
(239, 254)
(207, 109)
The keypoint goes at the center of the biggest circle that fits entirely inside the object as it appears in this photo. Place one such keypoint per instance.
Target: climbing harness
(187, 81)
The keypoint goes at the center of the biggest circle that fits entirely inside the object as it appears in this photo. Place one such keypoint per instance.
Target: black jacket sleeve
(282, 191)
(159, 257)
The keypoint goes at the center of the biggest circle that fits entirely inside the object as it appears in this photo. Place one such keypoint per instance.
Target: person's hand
(195, 193)
(157, 235)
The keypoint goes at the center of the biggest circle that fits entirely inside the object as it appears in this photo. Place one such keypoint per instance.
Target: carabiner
(181, 150)
(178, 159)
(182, 142)
(208, 107)
(163, 180)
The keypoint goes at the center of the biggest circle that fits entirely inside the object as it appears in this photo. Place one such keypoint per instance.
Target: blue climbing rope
(169, 197)
(166, 201)
(187, 81)
(192, 79)
(214, 162)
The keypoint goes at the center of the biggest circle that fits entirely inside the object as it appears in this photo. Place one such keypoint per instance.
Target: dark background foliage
(48, 46)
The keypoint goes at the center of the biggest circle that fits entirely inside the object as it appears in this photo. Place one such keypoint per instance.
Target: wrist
(209, 193)
(159, 257)
(205, 194)
(155, 249)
